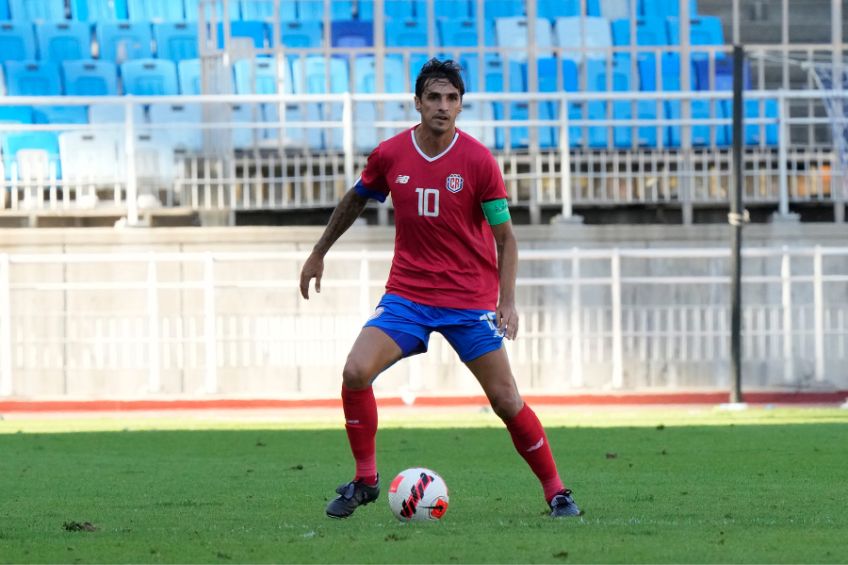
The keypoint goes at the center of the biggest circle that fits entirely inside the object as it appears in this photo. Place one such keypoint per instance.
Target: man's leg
(372, 352)
(493, 372)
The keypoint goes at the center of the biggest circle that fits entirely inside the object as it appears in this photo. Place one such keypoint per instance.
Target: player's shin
(530, 441)
(360, 410)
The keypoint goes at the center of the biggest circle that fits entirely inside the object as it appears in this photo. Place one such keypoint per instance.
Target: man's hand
(507, 317)
(313, 268)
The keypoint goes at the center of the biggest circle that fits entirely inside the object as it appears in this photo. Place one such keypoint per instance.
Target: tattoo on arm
(346, 212)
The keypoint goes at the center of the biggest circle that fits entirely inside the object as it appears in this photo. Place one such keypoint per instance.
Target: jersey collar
(427, 157)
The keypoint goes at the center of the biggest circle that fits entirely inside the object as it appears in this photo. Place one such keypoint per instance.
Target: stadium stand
(90, 78)
(17, 41)
(188, 73)
(176, 40)
(121, 41)
(155, 10)
(250, 33)
(511, 34)
(99, 10)
(63, 41)
(37, 10)
(303, 34)
(150, 77)
(32, 78)
(591, 34)
(181, 138)
(352, 33)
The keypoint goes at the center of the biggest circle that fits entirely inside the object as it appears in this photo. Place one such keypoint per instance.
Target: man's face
(439, 105)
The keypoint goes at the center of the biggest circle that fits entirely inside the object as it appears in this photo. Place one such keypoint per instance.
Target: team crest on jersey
(454, 183)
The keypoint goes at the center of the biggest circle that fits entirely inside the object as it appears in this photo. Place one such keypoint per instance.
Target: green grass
(660, 487)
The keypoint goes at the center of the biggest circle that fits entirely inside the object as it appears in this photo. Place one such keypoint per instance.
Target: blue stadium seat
(252, 31)
(150, 77)
(114, 114)
(477, 111)
(17, 41)
(352, 33)
(405, 9)
(176, 40)
(32, 78)
(649, 32)
(192, 11)
(553, 9)
(37, 10)
(595, 34)
(502, 9)
(595, 76)
(310, 75)
(2, 82)
(406, 33)
(64, 41)
(453, 9)
(242, 137)
(15, 114)
(4, 10)
(703, 30)
(569, 83)
(90, 78)
(663, 8)
(182, 138)
(511, 33)
(259, 76)
(646, 136)
(300, 35)
(189, 74)
(46, 143)
(264, 10)
(98, 10)
(155, 10)
(339, 10)
(121, 41)
(495, 79)
(365, 74)
(464, 32)
(60, 114)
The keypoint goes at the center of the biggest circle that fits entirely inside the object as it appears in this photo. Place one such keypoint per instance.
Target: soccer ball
(418, 494)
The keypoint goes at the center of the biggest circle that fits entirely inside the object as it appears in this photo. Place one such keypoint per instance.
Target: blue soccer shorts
(471, 333)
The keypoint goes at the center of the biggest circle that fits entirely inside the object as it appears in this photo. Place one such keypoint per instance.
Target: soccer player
(453, 272)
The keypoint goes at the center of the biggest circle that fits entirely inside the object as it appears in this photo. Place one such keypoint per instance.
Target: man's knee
(506, 402)
(356, 375)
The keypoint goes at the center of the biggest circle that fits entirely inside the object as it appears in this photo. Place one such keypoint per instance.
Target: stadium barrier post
(786, 304)
(576, 330)
(210, 370)
(617, 341)
(154, 382)
(818, 306)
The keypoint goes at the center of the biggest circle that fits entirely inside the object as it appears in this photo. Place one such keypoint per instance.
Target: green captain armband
(496, 211)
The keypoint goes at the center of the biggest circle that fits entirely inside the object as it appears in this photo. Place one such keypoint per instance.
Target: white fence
(153, 325)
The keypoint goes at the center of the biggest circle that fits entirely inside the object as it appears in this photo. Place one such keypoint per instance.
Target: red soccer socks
(360, 410)
(530, 441)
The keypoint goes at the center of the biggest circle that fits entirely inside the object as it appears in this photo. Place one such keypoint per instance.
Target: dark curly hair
(435, 69)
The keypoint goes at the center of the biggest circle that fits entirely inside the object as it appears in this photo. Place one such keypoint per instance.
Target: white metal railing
(227, 323)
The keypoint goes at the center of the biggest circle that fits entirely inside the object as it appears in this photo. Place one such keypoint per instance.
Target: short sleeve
(372, 183)
(491, 180)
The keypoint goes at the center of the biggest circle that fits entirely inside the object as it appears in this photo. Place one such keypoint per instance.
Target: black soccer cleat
(351, 496)
(563, 505)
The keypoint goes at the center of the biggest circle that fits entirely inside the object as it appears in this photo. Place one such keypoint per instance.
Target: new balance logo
(353, 422)
(539, 444)
(402, 179)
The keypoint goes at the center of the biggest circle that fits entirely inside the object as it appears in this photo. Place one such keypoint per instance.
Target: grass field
(658, 486)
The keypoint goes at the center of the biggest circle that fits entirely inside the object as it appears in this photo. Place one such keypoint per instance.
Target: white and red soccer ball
(418, 494)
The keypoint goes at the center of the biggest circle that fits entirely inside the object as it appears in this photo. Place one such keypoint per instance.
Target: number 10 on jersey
(428, 202)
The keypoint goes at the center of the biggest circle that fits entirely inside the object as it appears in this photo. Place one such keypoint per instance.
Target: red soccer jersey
(444, 249)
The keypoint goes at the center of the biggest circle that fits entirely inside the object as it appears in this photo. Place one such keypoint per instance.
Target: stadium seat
(703, 30)
(493, 9)
(495, 79)
(60, 114)
(406, 33)
(154, 160)
(121, 41)
(615, 9)
(352, 33)
(251, 33)
(453, 9)
(301, 35)
(464, 32)
(547, 68)
(17, 41)
(622, 81)
(260, 76)
(32, 78)
(189, 75)
(175, 40)
(553, 9)
(477, 111)
(64, 41)
(405, 9)
(594, 35)
(33, 11)
(92, 156)
(150, 77)
(155, 10)
(2, 82)
(310, 76)
(511, 33)
(181, 137)
(4, 10)
(339, 10)
(15, 115)
(263, 10)
(115, 114)
(90, 78)
(663, 8)
(31, 155)
(98, 10)
(365, 75)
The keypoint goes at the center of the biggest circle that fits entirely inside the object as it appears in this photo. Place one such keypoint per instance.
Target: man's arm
(507, 246)
(346, 212)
